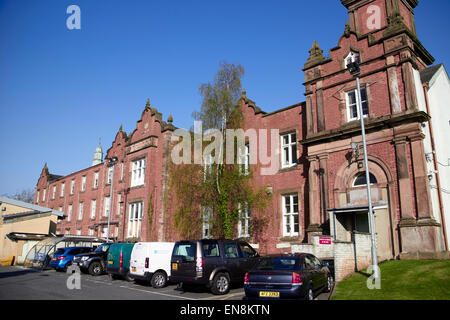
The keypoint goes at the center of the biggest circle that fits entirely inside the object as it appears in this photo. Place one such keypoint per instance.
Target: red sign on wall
(323, 240)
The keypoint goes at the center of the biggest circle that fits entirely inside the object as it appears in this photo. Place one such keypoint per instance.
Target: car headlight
(84, 258)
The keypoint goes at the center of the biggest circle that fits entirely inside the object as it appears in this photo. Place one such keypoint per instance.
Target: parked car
(287, 276)
(150, 262)
(93, 262)
(118, 260)
(213, 263)
(62, 258)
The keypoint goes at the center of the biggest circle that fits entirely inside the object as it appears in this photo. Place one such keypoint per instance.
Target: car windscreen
(186, 250)
(102, 248)
(277, 263)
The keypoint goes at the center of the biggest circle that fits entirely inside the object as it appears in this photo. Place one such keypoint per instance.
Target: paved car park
(18, 283)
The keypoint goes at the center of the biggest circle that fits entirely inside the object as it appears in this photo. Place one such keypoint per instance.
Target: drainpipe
(126, 192)
(438, 180)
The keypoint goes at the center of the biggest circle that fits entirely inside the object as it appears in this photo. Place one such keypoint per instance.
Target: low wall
(349, 257)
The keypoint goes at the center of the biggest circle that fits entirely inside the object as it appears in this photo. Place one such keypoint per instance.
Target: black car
(287, 276)
(213, 263)
(93, 262)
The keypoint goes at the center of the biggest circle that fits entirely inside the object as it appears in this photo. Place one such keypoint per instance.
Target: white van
(150, 261)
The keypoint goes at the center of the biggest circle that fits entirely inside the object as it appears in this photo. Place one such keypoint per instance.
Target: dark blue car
(287, 276)
(63, 257)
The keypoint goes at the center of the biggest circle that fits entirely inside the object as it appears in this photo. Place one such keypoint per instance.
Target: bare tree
(26, 195)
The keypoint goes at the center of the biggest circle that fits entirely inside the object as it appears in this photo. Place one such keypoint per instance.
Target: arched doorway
(350, 215)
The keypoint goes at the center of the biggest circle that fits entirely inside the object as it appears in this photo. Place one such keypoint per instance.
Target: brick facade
(326, 168)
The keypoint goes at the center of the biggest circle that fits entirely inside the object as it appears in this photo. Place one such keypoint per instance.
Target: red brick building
(127, 192)
(320, 187)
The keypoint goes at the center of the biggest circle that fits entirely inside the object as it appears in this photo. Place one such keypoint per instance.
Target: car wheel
(113, 276)
(310, 294)
(68, 264)
(328, 285)
(95, 269)
(221, 284)
(159, 280)
(128, 277)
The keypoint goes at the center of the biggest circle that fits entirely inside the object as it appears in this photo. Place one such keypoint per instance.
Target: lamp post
(355, 71)
(111, 162)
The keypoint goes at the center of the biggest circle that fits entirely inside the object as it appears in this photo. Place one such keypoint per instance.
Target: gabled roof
(31, 207)
(427, 75)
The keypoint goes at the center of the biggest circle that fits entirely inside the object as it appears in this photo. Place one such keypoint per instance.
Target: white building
(434, 99)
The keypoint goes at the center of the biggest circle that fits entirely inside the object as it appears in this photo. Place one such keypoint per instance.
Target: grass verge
(400, 280)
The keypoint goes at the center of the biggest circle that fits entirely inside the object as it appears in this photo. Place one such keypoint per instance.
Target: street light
(355, 71)
(111, 162)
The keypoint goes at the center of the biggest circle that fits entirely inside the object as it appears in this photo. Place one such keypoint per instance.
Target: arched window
(360, 180)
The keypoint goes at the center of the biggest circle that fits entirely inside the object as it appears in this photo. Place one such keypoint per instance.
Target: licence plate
(133, 269)
(174, 266)
(110, 262)
(269, 294)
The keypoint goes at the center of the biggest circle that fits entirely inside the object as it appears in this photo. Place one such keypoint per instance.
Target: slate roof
(427, 74)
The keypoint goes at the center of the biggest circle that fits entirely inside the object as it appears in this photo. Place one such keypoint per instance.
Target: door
(138, 256)
(314, 274)
(320, 271)
(233, 260)
(183, 259)
(382, 233)
(249, 256)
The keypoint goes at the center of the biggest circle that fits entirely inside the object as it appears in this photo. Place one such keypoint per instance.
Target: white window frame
(107, 208)
(54, 192)
(95, 182)
(207, 166)
(110, 175)
(135, 219)
(138, 172)
(38, 196)
(207, 222)
(83, 183)
(80, 210)
(43, 194)
(289, 146)
(289, 215)
(91, 231)
(350, 106)
(69, 212)
(364, 175)
(105, 232)
(244, 161)
(244, 221)
(93, 208)
(119, 206)
(62, 189)
(72, 186)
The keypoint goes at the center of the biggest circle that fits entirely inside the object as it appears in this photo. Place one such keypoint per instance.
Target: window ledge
(137, 187)
(290, 238)
(287, 169)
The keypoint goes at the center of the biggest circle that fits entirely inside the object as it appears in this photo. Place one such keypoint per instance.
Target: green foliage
(150, 215)
(220, 97)
(221, 187)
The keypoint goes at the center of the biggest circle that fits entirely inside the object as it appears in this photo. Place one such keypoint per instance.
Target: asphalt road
(17, 283)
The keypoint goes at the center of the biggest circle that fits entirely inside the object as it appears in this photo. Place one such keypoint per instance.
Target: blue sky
(60, 89)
